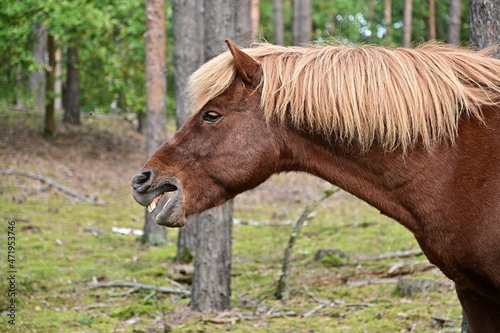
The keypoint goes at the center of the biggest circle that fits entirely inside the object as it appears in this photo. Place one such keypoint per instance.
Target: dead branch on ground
(390, 255)
(405, 268)
(51, 182)
(134, 286)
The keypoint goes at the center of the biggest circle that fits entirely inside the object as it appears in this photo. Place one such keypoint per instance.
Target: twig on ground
(403, 268)
(138, 286)
(314, 297)
(362, 283)
(310, 313)
(52, 183)
(389, 255)
(151, 294)
(175, 283)
(126, 293)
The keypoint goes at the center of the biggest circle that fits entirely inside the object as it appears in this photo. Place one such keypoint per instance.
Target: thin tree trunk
(407, 23)
(454, 22)
(72, 104)
(278, 22)
(371, 20)
(156, 86)
(431, 23)
(188, 56)
(301, 21)
(19, 87)
(484, 24)
(49, 130)
(37, 78)
(283, 289)
(58, 82)
(387, 19)
(255, 18)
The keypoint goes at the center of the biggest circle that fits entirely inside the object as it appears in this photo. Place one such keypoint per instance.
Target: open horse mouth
(147, 194)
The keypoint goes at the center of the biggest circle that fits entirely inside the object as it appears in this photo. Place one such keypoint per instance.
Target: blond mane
(365, 94)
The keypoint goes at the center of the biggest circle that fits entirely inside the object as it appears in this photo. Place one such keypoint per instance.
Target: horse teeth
(151, 206)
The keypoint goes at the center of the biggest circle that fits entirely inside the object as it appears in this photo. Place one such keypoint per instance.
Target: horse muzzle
(148, 192)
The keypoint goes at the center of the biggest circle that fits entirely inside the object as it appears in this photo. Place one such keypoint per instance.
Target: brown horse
(414, 132)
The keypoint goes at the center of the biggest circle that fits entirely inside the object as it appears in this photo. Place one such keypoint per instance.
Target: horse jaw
(172, 215)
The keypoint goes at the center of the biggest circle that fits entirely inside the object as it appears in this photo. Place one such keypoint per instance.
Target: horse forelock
(365, 93)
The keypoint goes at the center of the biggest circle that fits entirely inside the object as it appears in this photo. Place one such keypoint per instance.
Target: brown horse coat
(415, 133)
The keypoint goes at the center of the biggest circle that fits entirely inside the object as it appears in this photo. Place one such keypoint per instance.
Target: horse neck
(387, 181)
(418, 188)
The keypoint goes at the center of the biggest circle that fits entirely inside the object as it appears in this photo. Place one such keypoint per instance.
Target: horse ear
(247, 67)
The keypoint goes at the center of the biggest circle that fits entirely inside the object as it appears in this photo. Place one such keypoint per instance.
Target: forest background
(104, 41)
(95, 52)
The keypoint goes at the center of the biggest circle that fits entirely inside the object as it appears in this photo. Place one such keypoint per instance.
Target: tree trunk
(454, 22)
(484, 24)
(58, 82)
(49, 130)
(243, 22)
(387, 19)
(211, 288)
(156, 86)
(188, 56)
(301, 21)
(431, 23)
(72, 103)
(19, 87)
(484, 31)
(37, 79)
(255, 19)
(407, 23)
(278, 22)
(371, 21)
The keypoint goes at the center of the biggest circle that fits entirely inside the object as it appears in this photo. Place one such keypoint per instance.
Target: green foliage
(109, 36)
(350, 22)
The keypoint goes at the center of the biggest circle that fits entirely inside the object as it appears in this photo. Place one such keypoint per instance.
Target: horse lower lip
(172, 214)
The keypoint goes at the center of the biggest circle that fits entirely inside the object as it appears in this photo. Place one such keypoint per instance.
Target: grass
(56, 256)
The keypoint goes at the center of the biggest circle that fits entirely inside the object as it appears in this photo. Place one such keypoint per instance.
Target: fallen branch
(390, 255)
(362, 283)
(52, 183)
(405, 268)
(235, 315)
(138, 286)
(282, 291)
(312, 312)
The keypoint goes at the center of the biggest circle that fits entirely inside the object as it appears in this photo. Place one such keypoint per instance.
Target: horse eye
(211, 117)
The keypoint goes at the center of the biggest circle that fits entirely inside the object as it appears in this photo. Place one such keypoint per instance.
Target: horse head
(223, 149)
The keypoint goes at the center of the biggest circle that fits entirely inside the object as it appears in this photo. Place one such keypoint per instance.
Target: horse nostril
(142, 180)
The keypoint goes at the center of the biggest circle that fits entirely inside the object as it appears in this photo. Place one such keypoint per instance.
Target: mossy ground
(57, 253)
